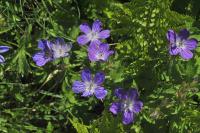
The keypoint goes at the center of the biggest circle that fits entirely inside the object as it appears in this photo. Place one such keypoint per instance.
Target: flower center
(48, 54)
(93, 35)
(127, 105)
(179, 43)
(100, 55)
(58, 51)
(90, 86)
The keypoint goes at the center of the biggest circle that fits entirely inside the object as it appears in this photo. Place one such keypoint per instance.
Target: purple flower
(46, 53)
(51, 51)
(128, 104)
(60, 48)
(93, 35)
(180, 44)
(89, 85)
(99, 52)
(3, 49)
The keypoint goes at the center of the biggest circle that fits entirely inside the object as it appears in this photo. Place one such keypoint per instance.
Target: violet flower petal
(82, 39)
(100, 93)
(95, 42)
(99, 78)
(2, 59)
(191, 44)
(115, 108)
(184, 34)
(78, 87)
(137, 106)
(133, 94)
(120, 93)
(40, 59)
(4, 49)
(186, 54)
(85, 28)
(127, 117)
(104, 34)
(86, 75)
(174, 50)
(87, 93)
(171, 36)
(97, 26)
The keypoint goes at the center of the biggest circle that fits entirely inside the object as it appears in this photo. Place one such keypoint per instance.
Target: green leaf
(49, 128)
(20, 62)
(80, 128)
(4, 27)
(19, 97)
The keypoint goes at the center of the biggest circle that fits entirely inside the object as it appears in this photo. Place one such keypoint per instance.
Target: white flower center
(127, 105)
(90, 86)
(100, 55)
(59, 51)
(179, 43)
(93, 35)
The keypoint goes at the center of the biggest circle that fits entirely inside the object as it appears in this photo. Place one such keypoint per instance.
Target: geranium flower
(94, 35)
(46, 53)
(128, 104)
(99, 53)
(180, 44)
(3, 49)
(60, 48)
(89, 85)
(51, 51)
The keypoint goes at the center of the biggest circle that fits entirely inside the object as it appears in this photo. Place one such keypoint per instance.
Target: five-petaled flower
(51, 51)
(60, 48)
(128, 104)
(180, 44)
(90, 85)
(46, 53)
(99, 52)
(94, 35)
(3, 49)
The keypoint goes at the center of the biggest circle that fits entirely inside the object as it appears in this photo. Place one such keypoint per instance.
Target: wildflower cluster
(97, 51)
(127, 102)
(51, 51)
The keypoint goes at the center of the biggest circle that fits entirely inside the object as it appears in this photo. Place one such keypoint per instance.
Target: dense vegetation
(41, 99)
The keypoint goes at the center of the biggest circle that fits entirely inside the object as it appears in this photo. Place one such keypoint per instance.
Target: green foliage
(40, 99)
